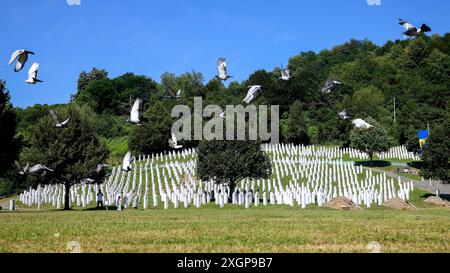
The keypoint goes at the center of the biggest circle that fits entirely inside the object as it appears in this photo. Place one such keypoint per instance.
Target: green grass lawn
(232, 229)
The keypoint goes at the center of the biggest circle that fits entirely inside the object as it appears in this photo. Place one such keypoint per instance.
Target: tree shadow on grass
(416, 165)
(375, 163)
(102, 209)
(443, 196)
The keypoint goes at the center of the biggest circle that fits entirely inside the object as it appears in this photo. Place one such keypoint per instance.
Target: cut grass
(232, 229)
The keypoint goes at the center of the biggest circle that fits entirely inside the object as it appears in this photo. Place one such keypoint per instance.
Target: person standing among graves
(99, 199)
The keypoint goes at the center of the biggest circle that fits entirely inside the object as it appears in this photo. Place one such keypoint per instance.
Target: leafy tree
(227, 162)
(436, 157)
(370, 141)
(437, 68)
(412, 141)
(86, 78)
(9, 144)
(416, 53)
(27, 120)
(152, 136)
(72, 152)
(367, 101)
(116, 96)
(297, 129)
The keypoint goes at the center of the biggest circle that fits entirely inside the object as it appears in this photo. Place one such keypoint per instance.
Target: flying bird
(126, 165)
(344, 115)
(56, 120)
(39, 168)
(101, 167)
(361, 124)
(173, 142)
(87, 181)
(330, 86)
(411, 30)
(134, 114)
(285, 74)
(253, 93)
(222, 70)
(21, 56)
(35, 169)
(22, 170)
(173, 94)
(32, 74)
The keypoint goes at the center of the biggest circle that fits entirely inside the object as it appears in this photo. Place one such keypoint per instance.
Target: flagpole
(395, 114)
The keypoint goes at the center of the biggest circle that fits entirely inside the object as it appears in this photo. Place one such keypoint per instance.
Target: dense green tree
(86, 78)
(416, 53)
(436, 156)
(367, 101)
(116, 96)
(227, 162)
(9, 144)
(28, 119)
(152, 136)
(72, 152)
(370, 141)
(296, 127)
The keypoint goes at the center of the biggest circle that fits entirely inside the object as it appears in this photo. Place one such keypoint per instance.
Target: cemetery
(123, 130)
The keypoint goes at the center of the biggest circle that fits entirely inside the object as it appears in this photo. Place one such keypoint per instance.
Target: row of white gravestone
(314, 178)
(312, 151)
(399, 152)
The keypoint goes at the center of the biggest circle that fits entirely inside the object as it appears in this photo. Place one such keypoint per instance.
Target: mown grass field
(232, 229)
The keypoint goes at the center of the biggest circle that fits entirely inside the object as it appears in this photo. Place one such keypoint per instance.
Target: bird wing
(174, 138)
(54, 117)
(406, 25)
(179, 94)
(21, 62)
(357, 122)
(32, 73)
(250, 95)
(38, 168)
(222, 67)
(171, 91)
(15, 55)
(64, 123)
(126, 161)
(135, 109)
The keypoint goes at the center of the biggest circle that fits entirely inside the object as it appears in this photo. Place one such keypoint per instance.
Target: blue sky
(149, 37)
